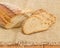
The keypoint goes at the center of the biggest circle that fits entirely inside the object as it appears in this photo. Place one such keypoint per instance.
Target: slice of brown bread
(33, 25)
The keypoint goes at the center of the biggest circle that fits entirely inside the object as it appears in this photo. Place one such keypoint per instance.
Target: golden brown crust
(7, 11)
(2, 22)
(5, 15)
(3, 19)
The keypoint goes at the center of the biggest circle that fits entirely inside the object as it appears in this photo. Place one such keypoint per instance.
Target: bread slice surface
(45, 16)
(33, 25)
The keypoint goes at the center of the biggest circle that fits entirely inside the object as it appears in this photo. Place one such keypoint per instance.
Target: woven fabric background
(52, 6)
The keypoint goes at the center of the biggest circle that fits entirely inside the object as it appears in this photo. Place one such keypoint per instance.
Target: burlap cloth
(51, 36)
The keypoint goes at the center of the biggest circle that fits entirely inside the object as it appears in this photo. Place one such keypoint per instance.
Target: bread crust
(5, 14)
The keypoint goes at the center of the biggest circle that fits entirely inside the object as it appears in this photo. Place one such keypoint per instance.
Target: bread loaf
(8, 18)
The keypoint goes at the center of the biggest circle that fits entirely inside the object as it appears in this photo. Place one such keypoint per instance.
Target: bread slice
(33, 25)
(45, 16)
(8, 18)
